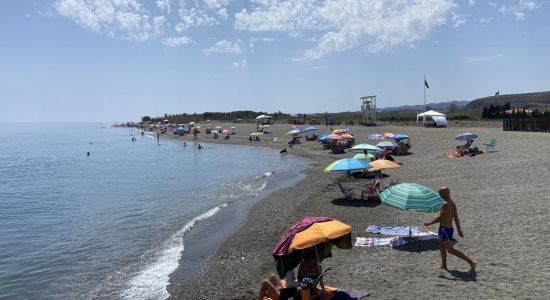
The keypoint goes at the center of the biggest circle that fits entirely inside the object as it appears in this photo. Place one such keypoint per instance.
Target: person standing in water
(158, 137)
(445, 231)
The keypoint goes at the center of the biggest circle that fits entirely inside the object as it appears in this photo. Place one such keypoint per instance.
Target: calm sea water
(110, 225)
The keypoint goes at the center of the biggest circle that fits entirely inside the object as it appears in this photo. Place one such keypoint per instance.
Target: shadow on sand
(455, 275)
(355, 202)
(419, 246)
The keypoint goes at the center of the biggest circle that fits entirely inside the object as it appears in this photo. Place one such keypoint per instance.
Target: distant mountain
(539, 100)
(442, 106)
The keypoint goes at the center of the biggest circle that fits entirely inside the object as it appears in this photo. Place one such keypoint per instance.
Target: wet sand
(502, 199)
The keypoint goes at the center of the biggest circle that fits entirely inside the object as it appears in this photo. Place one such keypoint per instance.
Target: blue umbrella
(323, 137)
(308, 129)
(346, 130)
(464, 136)
(400, 136)
(347, 165)
(375, 136)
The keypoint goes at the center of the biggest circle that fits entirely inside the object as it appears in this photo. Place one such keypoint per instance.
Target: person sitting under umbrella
(273, 287)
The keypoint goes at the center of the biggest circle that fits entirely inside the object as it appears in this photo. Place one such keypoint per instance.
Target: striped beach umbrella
(411, 196)
(309, 129)
(464, 136)
(363, 156)
(366, 148)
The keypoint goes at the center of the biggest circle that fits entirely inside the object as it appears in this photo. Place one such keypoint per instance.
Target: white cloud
(239, 64)
(164, 5)
(483, 58)
(471, 2)
(458, 20)
(375, 25)
(225, 46)
(519, 10)
(116, 18)
(194, 17)
(177, 41)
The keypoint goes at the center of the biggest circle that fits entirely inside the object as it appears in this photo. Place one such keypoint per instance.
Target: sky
(117, 60)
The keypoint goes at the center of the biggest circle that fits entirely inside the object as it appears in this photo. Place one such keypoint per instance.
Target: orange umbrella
(336, 131)
(381, 164)
(319, 233)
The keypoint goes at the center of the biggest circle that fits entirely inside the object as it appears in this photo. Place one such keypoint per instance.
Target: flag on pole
(426, 83)
(497, 93)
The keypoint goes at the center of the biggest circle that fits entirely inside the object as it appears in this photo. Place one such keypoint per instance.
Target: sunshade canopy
(411, 196)
(464, 136)
(381, 164)
(366, 148)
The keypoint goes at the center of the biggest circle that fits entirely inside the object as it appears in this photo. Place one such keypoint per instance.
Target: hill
(441, 106)
(540, 100)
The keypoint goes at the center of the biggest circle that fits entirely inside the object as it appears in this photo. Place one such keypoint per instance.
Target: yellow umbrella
(347, 136)
(319, 233)
(381, 164)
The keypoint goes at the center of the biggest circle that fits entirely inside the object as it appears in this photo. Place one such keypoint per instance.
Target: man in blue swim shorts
(445, 231)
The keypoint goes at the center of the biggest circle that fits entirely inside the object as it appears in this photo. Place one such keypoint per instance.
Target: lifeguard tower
(368, 107)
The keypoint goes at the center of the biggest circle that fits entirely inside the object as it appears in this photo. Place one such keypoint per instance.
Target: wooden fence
(526, 124)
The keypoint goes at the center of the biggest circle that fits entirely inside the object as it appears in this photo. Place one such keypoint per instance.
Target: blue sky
(115, 60)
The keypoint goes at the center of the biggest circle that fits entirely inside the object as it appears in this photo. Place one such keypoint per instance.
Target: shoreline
(485, 188)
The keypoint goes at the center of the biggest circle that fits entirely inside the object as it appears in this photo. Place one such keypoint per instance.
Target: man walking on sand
(445, 232)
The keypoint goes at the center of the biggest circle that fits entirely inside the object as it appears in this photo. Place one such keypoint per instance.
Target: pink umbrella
(226, 131)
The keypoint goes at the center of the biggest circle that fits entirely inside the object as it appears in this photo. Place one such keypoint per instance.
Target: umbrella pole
(410, 224)
(320, 273)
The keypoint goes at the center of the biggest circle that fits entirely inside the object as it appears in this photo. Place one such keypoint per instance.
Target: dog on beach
(283, 152)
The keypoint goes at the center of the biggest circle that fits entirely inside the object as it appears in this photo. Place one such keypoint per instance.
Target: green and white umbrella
(363, 156)
(412, 196)
(366, 148)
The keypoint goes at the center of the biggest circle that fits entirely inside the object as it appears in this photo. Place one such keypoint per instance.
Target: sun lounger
(346, 191)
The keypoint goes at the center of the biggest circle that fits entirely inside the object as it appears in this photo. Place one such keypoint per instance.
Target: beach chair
(346, 191)
(491, 147)
(371, 190)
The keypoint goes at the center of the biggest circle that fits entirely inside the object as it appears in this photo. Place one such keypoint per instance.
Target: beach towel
(393, 230)
(395, 241)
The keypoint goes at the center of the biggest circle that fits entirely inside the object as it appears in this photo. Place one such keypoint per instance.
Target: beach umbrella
(388, 135)
(336, 131)
(309, 129)
(226, 131)
(411, 197)
(400, 136)
(381, 164)
(375, 136)
(191, 123)
(336, 137)
(363, 156)
(256, 134)
(366, 148)
(218, 127)
(313, 234)
(293, 131)
(295, 126)
(347, 136)
(323, 137)
(233, 127)
(386, 145)
(347, 165)
(346, 130)
(468, 135)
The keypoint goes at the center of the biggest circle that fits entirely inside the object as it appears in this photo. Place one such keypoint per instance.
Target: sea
(113, 225)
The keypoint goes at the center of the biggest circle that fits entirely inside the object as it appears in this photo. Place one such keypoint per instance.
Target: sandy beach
(501, 198)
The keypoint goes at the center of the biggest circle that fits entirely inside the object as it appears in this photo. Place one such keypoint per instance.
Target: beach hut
(440, 119)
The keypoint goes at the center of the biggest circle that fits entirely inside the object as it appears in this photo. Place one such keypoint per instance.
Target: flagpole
(424, 84)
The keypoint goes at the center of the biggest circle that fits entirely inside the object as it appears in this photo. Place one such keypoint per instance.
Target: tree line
(500, 112)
